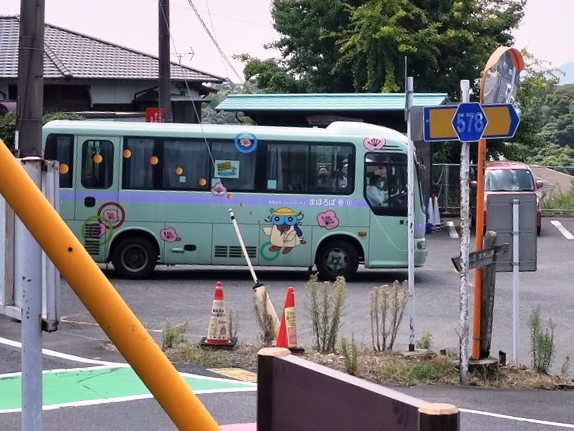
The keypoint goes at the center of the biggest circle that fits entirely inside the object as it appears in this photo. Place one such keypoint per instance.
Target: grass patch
(385, 368)
(557, 200)
(418, 371)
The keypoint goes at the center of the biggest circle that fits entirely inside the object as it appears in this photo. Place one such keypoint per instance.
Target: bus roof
(338, 131)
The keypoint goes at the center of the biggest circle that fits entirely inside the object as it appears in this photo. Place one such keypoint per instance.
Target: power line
(214, 41)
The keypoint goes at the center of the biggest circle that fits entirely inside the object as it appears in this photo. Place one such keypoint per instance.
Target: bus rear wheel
(134, 258)
(337, 258)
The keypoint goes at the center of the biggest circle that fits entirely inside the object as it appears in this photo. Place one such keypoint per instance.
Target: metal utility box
(499, 218)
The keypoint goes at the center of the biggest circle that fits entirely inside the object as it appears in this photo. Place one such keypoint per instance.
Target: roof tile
(69, 54)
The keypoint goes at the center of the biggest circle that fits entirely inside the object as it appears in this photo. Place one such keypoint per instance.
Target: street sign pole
(515, 280)
(465, 237)
(411, 215)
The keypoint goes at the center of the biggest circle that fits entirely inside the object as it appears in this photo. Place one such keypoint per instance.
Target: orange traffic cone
(218, 331)
(287, 335)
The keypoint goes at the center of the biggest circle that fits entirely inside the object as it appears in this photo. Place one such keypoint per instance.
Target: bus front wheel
(134, 258)
(337, 258)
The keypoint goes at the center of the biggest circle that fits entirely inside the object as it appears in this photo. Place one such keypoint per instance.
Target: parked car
(507, 177)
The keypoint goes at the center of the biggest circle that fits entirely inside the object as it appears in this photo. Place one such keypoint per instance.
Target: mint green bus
(141, 194)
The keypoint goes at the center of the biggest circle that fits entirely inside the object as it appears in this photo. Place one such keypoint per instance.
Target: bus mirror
(473, 185)
(539, 184)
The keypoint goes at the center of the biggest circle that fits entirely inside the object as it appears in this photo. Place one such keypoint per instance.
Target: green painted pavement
(99, 385)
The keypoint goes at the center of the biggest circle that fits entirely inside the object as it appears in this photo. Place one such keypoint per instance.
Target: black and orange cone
(287, 335)
(218, 329)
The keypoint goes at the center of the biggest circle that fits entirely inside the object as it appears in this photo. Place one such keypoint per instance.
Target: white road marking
(128, 398)
(562, 229)
(250, 388)
(519, 419)
(60, 355)
(452, 230)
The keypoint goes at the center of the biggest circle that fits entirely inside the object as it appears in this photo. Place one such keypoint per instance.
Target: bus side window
(97, 164)
(286, 168)
(61, 148)
(235, 170)
(185, 164)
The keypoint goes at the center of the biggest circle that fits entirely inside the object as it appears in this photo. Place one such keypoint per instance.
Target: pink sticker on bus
(218, 190)
(169, 235)
(373, 143)
(328, 220)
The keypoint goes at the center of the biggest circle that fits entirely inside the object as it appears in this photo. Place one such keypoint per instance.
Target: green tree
(561, 130)
(552, 155)
(308, 32)
(8, 129)
(444, 41)
(8, 124)
(335, 46)
(270, 75)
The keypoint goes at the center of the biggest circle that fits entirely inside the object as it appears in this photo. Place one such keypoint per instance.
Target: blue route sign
(469, 122)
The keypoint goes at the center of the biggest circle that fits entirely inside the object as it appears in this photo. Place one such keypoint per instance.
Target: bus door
(97, 212)
(386, 187)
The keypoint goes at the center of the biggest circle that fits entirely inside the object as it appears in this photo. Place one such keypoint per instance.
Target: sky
(244, 26)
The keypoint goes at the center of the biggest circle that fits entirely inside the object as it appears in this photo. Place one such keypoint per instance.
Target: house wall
(111, 92)
(124, 91)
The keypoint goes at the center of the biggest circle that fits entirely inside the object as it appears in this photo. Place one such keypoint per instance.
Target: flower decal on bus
(328, 220)
(373, 143)
(111, 215)
(218, 190)
(285, 232)
(114, 213)
(169, 235)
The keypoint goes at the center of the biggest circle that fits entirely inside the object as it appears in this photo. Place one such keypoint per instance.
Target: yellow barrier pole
(100, 298)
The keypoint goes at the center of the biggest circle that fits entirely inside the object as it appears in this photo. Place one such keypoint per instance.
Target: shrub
(350, 352)
(326, 301)
(388, 305)
(543, 347)
(173, 335)
(424, 342)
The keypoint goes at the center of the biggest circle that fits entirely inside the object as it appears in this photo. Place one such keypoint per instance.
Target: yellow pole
(101, 298)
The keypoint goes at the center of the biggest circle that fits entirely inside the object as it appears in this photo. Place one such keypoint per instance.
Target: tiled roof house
(82, 73)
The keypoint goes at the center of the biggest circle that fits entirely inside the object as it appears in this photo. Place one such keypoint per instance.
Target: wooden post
(487, 307)
(439, 417)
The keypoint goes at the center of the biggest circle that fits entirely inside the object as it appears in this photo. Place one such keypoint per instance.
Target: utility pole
(30, 78)
(164, 94)
(27, 252)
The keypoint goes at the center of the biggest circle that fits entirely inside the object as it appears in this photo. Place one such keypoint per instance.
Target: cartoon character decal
(285, 233)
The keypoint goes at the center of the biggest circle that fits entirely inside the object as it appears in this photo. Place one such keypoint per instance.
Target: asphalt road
(185, 294)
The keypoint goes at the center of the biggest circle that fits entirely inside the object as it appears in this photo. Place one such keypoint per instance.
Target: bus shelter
(320, 110)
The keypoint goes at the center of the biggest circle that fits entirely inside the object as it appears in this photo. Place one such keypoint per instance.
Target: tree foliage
(444, 41)
(8, 124)
(330, 46)
(208, 113)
